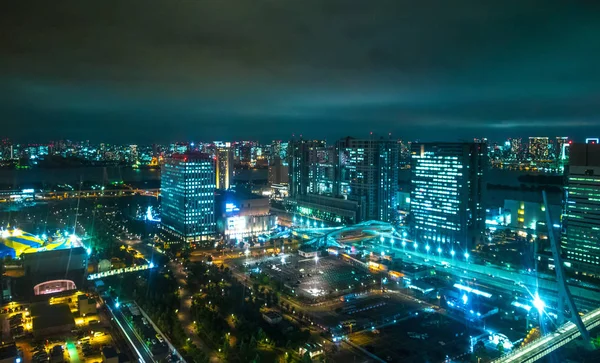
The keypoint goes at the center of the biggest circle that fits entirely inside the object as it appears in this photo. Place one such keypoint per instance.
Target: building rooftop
(192, 155)
(231, 196)
(8, 351)
(109, 352)
(272, 314)
(48, 316)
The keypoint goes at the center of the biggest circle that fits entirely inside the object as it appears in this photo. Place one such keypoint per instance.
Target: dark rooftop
(109, 352)
(48, 316)
(8, 351)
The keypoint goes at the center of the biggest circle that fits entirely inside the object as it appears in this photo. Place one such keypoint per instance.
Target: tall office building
(446, 197)
(224, 164)
(302, 154)
(515, 148)
(539, 148)
(278, 172)
(188, 198)
(560, 148)
(367, 172)
(581, 220)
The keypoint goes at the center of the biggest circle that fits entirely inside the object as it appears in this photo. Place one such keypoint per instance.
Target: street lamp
(427, 248)
(403, 244)
(381, 239)
(452, 253)
(467, 256)
(415, 245)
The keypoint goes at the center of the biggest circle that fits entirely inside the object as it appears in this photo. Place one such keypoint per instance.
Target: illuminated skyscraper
(367, 172)
(515, 149)
(224, 163)
(581, 220)
(539, 148)
(188, 198)
(302, 154)
(446, 198)
(560, 152)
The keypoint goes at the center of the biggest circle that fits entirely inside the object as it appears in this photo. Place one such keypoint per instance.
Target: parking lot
(84, 346)
(313, 279)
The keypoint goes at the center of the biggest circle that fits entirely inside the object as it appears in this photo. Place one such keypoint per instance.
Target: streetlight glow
(538, 303)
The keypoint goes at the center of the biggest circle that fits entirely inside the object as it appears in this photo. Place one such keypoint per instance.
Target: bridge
(550, 342)
(119, 271)
(9, 196)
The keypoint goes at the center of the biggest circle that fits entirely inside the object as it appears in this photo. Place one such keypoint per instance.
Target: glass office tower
(367, 172)
(446, 201)
(581, 220)
(188, 198)
(224, 164)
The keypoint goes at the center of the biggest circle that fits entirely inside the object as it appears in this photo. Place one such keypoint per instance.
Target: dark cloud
(203, 69)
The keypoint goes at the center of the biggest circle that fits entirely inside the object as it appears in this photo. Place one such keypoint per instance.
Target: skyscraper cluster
(363, 172)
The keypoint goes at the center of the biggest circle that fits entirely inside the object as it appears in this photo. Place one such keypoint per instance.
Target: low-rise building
(312, 349)
(110, 355)
(51, 319)
(9, 353)
(272, 317)
(86, 305)
(308, 251)
(242, 214)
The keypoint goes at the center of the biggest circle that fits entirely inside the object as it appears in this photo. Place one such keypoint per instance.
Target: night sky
(159, 71)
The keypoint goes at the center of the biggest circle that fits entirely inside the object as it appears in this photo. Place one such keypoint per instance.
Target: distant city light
(439, 249)
(452, 253)
(415, 245)
(467, 255)
(427, 248)
(89, 251)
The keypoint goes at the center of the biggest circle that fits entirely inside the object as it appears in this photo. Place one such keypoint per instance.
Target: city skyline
(268, 70)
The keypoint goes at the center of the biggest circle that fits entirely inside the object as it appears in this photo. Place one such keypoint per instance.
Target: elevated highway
(550, 342)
